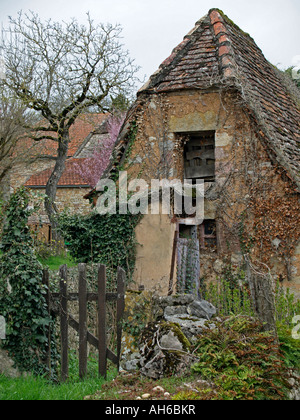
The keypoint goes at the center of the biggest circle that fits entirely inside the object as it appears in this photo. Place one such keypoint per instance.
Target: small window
(199, 156)
(208, 235)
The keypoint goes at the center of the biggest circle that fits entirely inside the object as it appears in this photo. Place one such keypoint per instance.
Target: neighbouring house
(218, 111)
(86, 134)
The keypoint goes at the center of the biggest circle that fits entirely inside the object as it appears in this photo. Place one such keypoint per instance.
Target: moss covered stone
(178, 333)
(165, 350)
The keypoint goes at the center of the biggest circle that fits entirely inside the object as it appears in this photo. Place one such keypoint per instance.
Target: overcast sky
(152, 28)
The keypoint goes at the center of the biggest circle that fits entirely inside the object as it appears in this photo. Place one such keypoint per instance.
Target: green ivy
(106, 239)
(22, 294)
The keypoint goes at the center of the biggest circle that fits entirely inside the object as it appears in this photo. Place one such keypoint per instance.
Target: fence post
(263, 299)
(121, 277)
(82, 292)
(46, 284)
(64, 322)
(102, 344)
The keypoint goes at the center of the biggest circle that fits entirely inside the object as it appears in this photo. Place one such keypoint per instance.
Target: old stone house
(36, 167)
(217, 110)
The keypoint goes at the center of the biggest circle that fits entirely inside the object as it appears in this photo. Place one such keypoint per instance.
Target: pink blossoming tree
(92, 168)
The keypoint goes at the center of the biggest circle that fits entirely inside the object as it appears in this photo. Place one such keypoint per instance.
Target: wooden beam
(91, 297)
(82, 321)
(102, 344)
(64, 323)
(92, 340)
(121, 279)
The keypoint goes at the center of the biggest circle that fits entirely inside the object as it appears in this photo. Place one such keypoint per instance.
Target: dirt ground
(128, 386)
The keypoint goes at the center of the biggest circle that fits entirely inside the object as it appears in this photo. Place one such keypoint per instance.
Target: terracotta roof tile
(82, 127)
(70, 176)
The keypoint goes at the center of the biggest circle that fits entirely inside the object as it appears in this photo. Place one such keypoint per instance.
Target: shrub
(289, 347)
(243, 362)
(22, 294)
(286, 305)
(106, 239)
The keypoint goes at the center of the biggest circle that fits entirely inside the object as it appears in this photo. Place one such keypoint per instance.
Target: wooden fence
(67, 320)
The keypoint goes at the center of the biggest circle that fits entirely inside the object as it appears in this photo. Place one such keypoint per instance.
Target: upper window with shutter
(199, 156)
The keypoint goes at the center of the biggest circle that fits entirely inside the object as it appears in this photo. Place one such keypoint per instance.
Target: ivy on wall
(106, 239)
(22, 294)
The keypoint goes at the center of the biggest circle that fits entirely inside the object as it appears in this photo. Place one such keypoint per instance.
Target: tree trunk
(263, 299)
(51, 187)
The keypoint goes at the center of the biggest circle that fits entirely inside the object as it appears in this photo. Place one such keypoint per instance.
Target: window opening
(208, 235)
(199, 156)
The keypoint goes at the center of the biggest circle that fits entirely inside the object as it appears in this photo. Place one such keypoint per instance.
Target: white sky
(152, 28)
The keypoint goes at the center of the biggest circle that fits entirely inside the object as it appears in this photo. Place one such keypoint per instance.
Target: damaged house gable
(217, 110)
(216, 53)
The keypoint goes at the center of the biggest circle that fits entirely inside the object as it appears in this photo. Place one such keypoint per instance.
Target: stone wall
(66, 199)
(7, 365)
(21, 172)
(242, 164)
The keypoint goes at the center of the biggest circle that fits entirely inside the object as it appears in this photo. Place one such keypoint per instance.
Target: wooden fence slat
(64, 322)
(82, 290)
(121, 277)
(83, 296)
(48, 298)
(93, 340)
(102, 344)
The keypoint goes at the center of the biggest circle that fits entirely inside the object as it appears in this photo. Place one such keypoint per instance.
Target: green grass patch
(34, 388)
(54, 262)
(37, 389)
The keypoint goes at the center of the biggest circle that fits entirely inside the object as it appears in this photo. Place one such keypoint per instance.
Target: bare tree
(61, 70)
(13, 118)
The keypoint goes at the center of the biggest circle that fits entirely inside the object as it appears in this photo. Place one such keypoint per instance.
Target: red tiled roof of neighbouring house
(82, 127)
(70, 177)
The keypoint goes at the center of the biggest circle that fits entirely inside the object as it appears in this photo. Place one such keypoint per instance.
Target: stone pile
(166, 341)
(189, 313)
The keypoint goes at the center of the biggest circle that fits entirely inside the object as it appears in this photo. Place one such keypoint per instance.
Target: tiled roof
(192, 63)
(216, 53)
(70, 177)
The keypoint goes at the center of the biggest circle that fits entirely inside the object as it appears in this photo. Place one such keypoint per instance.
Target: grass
(54, 262)
(116, 387)
(121, 387)
(31, 388)
(132, 386)
(38, 389)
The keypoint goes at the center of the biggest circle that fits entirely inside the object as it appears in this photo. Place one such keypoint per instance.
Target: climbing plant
(22, 294)
(107, 239)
